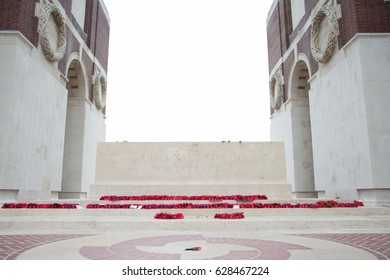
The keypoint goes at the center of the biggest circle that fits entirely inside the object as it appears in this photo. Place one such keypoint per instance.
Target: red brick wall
(304, 47)
(358, 16)
(9, 14)
(348, 23)
(91, 18)
(372, 16)
(387, 8)
(281, 38)
(273, 39)
(72, 46)
(98, 32)
(285, 23)
(102, 38)
(288, 65)
(279, 29)
(361, 16)
(67, 5)
(309, 5)
(89, 67)
(19, 15)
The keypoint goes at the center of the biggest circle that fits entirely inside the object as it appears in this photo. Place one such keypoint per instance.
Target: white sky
(188, 70)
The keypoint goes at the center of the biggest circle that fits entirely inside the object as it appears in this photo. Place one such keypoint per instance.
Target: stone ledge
(272, 191)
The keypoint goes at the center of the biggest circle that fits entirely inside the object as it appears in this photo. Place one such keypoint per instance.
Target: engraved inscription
(155, 157)
(179, 155)
(198, 169)
(183, 162)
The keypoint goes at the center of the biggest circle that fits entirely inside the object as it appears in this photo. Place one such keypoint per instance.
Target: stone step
(262, 212)
(194, 219)
(84, 202)
(278, 190)
(195, 223)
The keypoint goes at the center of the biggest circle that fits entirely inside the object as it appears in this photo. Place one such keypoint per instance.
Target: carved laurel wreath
(323, 56)
(52, 53)
(276, 91)
(100, 91)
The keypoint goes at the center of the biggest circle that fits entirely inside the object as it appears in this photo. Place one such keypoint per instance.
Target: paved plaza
(338, 233)
(169, 245)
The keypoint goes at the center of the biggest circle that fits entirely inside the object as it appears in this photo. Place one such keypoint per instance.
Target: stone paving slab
(269, 234)
(168, 245)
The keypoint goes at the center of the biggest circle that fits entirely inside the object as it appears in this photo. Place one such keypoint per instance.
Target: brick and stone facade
(49, 122)
(332, 117)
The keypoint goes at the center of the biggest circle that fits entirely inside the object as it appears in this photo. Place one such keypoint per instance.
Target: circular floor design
(173, 247)
(162, 246)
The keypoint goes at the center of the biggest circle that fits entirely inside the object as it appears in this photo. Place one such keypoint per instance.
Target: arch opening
(72, 171)
(302, 150)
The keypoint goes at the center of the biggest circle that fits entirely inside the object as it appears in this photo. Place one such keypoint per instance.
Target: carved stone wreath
(276, 91)
(323, 56)
(52, 53)
(100, 91)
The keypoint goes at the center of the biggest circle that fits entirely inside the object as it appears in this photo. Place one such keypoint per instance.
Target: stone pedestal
(191, 169)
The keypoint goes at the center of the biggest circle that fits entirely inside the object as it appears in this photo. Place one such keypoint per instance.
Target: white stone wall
(291, 125)
(191, 168)
(74, 146)
(281, 132)
(85, 128)
(302, 147)
(349, 112)
(32, 121)
(349, 101)
(190, 163)
(375, 59)
(95, 132)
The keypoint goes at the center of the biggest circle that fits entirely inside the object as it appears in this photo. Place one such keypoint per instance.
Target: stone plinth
(191, 169)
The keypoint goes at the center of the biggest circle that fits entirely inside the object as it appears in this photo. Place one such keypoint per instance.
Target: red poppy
(40, 205)
(234, 216)
(187, 205)
(243, 198)
(169, 216)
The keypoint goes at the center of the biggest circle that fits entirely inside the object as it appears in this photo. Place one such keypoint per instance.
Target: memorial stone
(191, 168)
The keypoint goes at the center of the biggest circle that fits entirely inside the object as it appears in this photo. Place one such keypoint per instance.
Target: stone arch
(303, 57)
(77, 101)
(299, 85)
(302, 150)
(76, 74)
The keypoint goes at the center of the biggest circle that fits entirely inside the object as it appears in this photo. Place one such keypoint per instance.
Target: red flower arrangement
(318, 204)
(113, 206)
(169, 216)
(164, 206)
(233, 216)
(37, 205)
(184, 197)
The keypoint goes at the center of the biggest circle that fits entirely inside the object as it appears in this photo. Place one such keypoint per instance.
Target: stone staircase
(366, 218)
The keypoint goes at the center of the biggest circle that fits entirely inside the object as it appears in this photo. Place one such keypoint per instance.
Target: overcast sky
(188, 70)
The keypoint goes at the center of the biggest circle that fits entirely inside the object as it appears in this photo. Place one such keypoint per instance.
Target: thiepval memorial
(53, 57)
(329, 65)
